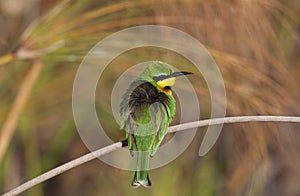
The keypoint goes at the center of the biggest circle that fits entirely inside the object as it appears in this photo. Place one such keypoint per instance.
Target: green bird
(146, 110)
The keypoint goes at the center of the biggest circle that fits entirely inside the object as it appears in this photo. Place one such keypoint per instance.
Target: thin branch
(11, 122)
(63, 168)
(234, 119)
(118, 145)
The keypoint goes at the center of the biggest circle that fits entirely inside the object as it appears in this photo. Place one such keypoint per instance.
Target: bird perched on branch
(147, 108)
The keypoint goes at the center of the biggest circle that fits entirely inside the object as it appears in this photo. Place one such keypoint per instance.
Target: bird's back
(145, 115)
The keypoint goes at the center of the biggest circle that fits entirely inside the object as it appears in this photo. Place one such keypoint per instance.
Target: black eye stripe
(160, 77)
(174, 74)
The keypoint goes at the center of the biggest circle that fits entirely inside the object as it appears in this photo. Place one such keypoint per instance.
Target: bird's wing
(161, 121)
(144, 120)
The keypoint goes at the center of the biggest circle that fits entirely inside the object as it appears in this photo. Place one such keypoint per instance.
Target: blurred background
(256, 44)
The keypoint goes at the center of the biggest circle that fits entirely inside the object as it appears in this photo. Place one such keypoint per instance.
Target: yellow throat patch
(163, 84)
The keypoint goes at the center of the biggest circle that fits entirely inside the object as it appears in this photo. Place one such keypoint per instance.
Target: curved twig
(118, 145)
(234, 119)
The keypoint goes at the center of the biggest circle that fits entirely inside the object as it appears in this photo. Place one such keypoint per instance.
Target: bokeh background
(256, 44)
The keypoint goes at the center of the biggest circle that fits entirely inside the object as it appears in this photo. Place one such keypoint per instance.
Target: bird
(146, 110)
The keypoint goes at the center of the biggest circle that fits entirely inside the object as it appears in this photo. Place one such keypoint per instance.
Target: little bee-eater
(147, 108)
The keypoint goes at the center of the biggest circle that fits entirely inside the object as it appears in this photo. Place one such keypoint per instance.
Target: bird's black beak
(180, 73)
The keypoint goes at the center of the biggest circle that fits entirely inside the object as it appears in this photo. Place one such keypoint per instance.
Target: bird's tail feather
(141, 175)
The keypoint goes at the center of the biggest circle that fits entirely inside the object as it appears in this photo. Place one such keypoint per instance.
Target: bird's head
(163, 76)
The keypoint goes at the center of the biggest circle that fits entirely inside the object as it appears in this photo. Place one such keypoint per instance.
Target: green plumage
(146, 111)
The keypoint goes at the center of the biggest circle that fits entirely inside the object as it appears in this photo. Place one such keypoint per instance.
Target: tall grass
(255, 44)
